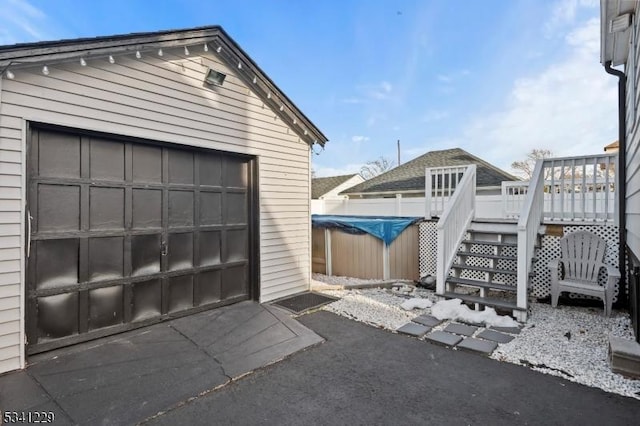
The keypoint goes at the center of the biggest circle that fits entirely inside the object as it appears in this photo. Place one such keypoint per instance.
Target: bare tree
(376, 167)
(526, 166)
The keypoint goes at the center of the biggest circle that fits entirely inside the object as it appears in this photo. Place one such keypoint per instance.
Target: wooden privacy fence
(335, 252)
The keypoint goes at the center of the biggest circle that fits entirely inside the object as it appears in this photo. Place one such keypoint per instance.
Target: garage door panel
(145, 254)
(209, 248)
(180, 293)
(106, 160)
(106, 307)
(180, 251)
(210, 170)
(147, 208)
(236, 208)
(236, 174)
(233, 282)
(106, 258)
(146, 299)
(126, 233)
(236, 245)
(106, 209)
(210, 208)
(57, 316)
(146, 164)
(209, 287)
(180, 208)
(58, 208)
(56, 263)
(59, 155)
(181, 167)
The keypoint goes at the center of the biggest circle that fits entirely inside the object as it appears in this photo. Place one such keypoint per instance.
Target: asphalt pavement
(362, 375)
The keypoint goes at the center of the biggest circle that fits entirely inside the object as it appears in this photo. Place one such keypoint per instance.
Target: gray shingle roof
(320, 186)
(410, 176)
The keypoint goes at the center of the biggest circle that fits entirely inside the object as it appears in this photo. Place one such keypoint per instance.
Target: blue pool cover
(386, 228)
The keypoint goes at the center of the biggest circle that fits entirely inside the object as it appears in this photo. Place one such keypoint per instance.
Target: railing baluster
(595, 189)
(562, 189)
(573, 189)
(606, 189)
(584, 188)
(552, 189)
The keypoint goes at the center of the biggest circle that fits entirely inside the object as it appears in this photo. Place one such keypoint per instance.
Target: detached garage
(144, 177)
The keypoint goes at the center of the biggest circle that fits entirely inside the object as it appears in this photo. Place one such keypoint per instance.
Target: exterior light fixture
(45, 70)
(10, 75)
(214, 78)
(160, 52)
(138, 54)
(206, 47)
(186, 51)
(219, 49)
(111, 59)
(83, 62)
(620, 23)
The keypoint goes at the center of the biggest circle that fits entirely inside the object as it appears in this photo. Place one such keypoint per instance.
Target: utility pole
(398, 152)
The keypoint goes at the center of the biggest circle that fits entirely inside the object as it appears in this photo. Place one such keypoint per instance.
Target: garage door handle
(163, 248)
(28, 233)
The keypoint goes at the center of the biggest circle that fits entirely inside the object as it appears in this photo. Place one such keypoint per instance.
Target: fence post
(398, 204)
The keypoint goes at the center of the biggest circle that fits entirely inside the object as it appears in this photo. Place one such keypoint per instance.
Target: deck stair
(484, 271)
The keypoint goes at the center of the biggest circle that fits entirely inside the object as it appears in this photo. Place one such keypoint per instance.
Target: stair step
(497, 303)
(493, 231)
(484, 269)
(482, 284)
(488, 256)
(489, 243)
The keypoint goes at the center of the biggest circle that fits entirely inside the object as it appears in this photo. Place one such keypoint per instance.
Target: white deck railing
(440, 184)
(528, 227)
(453, 224)
(576, 189)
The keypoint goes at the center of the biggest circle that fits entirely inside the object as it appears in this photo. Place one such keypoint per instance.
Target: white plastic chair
(582, 255)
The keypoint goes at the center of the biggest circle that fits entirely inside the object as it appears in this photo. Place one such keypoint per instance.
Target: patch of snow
(416, 303)
(454, 309)
(569, 342)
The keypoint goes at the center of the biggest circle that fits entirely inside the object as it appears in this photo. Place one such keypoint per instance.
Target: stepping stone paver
(483, 347)
(427, 320)
(462, 329)
(443, 338)
(412, 329)
(510, 330)
(495, 336)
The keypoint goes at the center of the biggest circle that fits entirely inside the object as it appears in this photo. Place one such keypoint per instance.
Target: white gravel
(570, 342)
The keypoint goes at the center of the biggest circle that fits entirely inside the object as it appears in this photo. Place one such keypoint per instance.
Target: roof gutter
(622, 179)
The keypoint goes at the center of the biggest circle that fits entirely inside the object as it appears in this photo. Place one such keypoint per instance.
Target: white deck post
(398, 204)
(327, 252)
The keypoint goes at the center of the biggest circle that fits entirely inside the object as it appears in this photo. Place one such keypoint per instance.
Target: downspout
(622, 179)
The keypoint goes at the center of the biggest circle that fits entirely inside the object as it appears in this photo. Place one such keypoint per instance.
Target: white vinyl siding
(633, 141)
(160, 99)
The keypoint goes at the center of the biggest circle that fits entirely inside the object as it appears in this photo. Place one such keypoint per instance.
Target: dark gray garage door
(123, 234)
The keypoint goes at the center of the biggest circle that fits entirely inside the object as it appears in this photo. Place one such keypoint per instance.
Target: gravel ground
(570, 342)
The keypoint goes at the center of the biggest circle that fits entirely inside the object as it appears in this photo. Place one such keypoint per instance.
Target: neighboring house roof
(410, 176)
(320, 186)
(217, 42)
(614, 46)
(613, 146)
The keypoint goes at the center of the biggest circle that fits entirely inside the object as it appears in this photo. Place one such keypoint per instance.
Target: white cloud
(569, 108)
(564, 13)
(352, 101)
(358, 139)
(21, 21)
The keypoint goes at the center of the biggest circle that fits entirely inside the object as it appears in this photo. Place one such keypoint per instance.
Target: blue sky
(494, 77)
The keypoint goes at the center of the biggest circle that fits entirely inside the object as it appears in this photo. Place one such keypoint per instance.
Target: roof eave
(32, 54)
(614, 47)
